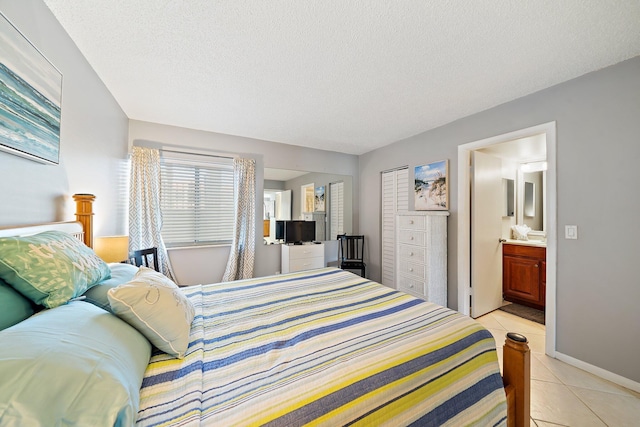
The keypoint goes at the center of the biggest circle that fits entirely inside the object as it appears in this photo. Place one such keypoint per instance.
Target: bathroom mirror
(532, 189)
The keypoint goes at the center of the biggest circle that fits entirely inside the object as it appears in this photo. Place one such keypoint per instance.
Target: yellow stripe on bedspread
(324, 347)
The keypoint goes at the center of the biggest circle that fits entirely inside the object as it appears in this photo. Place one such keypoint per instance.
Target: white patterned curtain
(145, 215)
(243, 248)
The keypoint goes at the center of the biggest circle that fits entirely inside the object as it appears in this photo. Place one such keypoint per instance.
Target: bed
(323, 347)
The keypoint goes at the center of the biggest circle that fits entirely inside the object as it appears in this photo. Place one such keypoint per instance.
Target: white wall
(188, 263)
(597, 160)
(93, 140)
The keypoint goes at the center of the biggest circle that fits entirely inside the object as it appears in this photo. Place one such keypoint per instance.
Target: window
(197, 201)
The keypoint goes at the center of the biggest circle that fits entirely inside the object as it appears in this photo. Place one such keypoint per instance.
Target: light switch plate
(571, 232)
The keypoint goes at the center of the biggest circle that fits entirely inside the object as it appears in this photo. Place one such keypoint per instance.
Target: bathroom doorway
(466, 291)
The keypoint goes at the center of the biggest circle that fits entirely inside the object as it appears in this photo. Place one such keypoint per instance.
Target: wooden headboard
(82, 228)
(84, 214)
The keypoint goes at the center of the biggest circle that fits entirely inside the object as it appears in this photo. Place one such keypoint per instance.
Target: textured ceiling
(340, 75)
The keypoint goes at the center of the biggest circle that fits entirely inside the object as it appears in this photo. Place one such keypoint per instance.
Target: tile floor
(562, 395)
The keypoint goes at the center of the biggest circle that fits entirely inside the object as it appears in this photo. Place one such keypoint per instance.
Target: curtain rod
(196, 154)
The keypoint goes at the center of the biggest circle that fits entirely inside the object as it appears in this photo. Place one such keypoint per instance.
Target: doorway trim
(464, 222)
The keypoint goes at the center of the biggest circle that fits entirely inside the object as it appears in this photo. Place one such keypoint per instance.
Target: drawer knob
(411, 238)
(410, 269)
(411, 286)
(536, 266)
(410, 221)
(410, 253)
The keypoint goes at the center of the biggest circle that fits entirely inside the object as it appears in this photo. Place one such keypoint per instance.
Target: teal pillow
(120, 273)
(50, 268)
(14, 308)
(155, 306)
(72, 365)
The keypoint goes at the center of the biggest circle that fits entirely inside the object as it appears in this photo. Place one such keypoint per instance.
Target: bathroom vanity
(524, 273)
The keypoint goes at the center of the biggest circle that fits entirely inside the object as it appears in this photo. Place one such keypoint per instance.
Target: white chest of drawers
(302, 257)
(421, 254)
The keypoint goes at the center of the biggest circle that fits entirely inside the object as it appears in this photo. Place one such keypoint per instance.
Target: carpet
(525, 312)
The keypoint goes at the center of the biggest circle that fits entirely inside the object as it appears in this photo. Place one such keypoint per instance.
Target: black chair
(351, 253)
(147, 257)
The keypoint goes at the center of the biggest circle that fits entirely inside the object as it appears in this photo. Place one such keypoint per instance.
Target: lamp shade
(112, 248)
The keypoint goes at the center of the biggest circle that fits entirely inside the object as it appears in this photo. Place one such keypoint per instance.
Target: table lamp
(112, 248)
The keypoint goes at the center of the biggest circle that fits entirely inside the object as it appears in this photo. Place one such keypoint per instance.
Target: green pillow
(73, 365)
(50, 268)
(155, 306)
(14, 308)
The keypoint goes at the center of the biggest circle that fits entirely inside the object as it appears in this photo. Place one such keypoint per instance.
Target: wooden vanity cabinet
(524, 275)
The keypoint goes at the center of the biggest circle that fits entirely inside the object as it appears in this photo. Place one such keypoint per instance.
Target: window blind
(336, 206)
(197, 201)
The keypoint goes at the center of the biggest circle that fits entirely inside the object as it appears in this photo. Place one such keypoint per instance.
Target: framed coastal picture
(432, 186)
(319, 199)
(30, 98)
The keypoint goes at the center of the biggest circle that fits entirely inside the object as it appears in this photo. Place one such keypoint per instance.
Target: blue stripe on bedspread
(251, 352)
(337, 399)
(460, 402)
(325, 348)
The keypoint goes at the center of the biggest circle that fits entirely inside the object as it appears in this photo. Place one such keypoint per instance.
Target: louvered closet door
(336, 203)
(395, 198)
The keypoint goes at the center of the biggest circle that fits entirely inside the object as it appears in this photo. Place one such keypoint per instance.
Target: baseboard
(602, 373)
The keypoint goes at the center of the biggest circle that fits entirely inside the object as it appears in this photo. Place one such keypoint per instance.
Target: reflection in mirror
(533, 200)
(529, 205)
(335, 217)
(508, 186)
(277, 206)
(307, 198)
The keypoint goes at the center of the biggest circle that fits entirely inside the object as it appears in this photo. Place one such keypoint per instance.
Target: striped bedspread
(324, 347)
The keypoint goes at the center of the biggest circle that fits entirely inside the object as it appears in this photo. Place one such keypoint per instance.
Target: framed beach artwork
(30, 98)
(319, 199)
(432, 186)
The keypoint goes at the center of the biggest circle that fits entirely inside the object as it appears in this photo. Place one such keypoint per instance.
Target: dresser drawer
(411, 286)
(412, 237)
(306, 263)
(302, 257)
(305, 251)
(421, 255)
(416, 269)
(412, 222)
(412, 253)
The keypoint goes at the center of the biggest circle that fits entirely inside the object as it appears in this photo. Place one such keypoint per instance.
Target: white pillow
(156, 307)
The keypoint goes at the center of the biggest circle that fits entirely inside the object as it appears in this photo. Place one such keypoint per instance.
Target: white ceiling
(340, 75)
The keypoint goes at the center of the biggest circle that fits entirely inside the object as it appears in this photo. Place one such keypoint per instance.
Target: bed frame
(516, 354)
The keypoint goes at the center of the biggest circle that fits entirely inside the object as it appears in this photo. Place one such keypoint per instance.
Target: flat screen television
(299, 231)
(280, 230)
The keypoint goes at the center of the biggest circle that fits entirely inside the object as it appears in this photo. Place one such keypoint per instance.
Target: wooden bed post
(517, 379)
(84, 214)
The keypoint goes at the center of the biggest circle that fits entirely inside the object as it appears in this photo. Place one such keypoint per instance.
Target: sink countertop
(538, 243)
